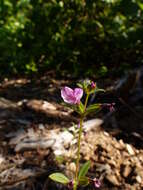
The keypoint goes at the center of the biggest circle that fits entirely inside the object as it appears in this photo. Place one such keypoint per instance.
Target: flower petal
(71, 96)
(68, 91)
(78, 93)
(67, 95)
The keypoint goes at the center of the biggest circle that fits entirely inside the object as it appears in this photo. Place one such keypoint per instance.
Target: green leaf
(99, 90)
(60, 159)
(140, 5)
(59, 177)
(73, 107)
(96, 90)
(84, 169)
(98, 24)
(83, 181)
(93, 108)
(79, 85)
(81, 107)
(77, 108)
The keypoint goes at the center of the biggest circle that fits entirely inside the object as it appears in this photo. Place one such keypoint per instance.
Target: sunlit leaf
(59, 177)
(83, 181)
(84, 169)
(81, 107)
(93, 108)
(79, 85)
(140, 5)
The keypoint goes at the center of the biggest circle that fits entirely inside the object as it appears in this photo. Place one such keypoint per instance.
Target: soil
(37, 138)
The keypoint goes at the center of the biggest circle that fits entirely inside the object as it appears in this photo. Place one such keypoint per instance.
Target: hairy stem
(78, 150)
(78, 144)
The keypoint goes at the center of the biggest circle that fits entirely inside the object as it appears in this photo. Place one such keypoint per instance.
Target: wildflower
(97, 183)
(71, 96)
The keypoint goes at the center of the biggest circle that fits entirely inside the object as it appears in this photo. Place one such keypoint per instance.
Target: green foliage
(59, 177)
(81, 108)
(84, 169)
(83, 181)
(90, 36)
(93, 108)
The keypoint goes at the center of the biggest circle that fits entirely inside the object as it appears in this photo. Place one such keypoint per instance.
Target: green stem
(78, 144)
(78, 150)
(86, 100)
(75, 187)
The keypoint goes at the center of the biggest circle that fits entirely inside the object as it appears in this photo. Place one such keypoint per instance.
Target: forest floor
(37, 138)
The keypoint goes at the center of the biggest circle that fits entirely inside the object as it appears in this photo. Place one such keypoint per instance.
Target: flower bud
(97, 183)
(70, 185)
(111, 107)
(93, 85)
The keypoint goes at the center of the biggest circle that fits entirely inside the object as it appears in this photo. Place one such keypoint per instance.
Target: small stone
(112, 162)
(102, 159)
(72, 167)
(66, 137)
(112, 179)
(130, 149)
(122, 143)
(4, 143)
(47, 105)
(59, 152)
(106, 134)
(43, 164)
(126, 171)
(41, 126)
(92, 124)
(1, 159)
(139, 179)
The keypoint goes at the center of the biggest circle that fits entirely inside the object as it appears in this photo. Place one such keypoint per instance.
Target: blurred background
(101, 37)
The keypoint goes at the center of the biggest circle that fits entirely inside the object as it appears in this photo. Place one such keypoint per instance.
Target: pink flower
(71, 96)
